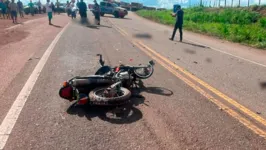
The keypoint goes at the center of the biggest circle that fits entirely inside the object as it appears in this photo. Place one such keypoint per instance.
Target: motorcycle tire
(99, 100)
(144, 76)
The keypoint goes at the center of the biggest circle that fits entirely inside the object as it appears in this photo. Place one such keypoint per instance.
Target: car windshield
(115, 5)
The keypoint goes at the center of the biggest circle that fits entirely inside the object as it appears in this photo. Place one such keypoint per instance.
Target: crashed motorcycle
(109, 86)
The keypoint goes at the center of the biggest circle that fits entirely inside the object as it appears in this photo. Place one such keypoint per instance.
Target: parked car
(112, 8)
(27, 9)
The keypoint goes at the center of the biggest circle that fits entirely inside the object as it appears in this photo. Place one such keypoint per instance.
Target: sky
(169, 3)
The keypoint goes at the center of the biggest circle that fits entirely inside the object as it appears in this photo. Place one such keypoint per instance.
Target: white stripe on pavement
(13, 113)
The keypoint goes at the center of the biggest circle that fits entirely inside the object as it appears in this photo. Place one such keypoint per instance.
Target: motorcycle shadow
(124, 114)
(153, 90)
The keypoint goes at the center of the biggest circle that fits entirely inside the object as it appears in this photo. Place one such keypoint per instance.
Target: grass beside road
(233, 24)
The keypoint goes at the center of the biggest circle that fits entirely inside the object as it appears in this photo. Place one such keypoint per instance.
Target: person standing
(82, 9)
(39, 6)
(31, 8)
(53, 7)
(58, 7)
(73, 10)
(13, 10)
(7, 9)
(97, 12)
(179, 23)
(68, 9)
(77, 4)
(49, 11)
(20, 9)
(3, 7)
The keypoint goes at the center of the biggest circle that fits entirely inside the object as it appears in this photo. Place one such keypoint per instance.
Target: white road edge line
(221, 51)
(15, 110)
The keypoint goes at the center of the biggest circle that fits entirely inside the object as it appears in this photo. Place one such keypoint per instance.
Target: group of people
(9, 10)
(81, 6)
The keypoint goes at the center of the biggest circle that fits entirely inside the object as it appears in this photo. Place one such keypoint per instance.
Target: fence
(226, 3)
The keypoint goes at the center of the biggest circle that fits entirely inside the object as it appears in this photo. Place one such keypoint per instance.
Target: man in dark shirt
(20, 8)
(82, 9)
(97, 12)
(179, 23)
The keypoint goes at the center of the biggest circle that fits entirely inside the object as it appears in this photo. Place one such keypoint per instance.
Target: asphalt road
(171, 114)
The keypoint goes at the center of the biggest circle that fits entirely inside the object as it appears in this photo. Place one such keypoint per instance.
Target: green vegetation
(233, 24)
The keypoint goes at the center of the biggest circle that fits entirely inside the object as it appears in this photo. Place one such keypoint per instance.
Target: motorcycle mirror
(151, 62)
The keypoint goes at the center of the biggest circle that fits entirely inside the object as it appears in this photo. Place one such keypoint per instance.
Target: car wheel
(122, 16)
(102, 14)
(116, 14)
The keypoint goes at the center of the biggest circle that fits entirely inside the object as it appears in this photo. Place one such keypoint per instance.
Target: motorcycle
(108, 86)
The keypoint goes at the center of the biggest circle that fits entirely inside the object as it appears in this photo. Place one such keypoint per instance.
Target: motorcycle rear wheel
(96, 98)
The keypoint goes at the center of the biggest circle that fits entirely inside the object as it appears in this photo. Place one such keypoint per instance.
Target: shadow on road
(158, 91)
(92, 26)
(143, 35)
(153, 90)
(97, 26)
(123, 114)
(193, 44)
(56, 26)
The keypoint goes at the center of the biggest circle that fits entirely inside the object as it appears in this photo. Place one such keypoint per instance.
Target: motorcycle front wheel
(97, 97)
(144, 72)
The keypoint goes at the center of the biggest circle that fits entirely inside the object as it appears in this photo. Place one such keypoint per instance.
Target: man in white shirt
(73, 10)
(49, 11)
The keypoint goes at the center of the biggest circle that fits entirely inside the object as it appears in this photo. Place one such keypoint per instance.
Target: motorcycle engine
(124, 75)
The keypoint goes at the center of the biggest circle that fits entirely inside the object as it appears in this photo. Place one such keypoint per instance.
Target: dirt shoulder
(10, 36)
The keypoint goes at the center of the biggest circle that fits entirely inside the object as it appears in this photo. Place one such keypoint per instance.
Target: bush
(263, 22)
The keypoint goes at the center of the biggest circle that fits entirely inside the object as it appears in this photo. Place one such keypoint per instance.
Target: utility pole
(232, 3)
(224, 3)
(248, 3)
(239, 3)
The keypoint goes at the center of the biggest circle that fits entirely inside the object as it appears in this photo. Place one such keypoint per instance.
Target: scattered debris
(209, 60)
(190, 51)
(195, 62)
(263, 85)
(258, 113)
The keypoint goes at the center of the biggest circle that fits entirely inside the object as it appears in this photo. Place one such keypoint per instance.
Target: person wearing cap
(179, 23)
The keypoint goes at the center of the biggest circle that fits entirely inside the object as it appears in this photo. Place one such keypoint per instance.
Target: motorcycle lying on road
(109, 86)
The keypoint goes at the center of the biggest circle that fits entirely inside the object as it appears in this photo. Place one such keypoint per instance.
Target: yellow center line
(231, 112)
(215, 91)
(248, 112)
